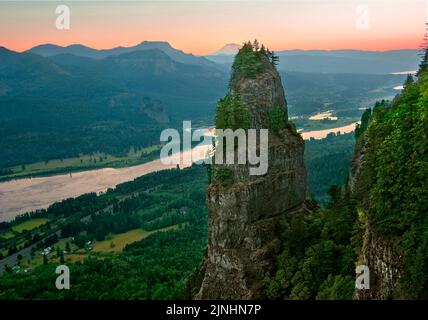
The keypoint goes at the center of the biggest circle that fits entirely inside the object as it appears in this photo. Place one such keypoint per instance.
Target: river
(321, 134)
(25, 195)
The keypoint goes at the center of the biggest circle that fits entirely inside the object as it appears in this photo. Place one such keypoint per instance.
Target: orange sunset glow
(201, 27)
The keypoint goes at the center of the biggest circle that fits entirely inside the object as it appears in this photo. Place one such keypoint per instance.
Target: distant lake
(25, 195)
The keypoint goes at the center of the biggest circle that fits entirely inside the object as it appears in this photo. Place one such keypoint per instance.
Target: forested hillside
(392, 186)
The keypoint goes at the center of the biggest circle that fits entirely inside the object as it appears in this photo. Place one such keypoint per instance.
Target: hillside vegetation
(391, 196)
(395, 180)
(139, 241)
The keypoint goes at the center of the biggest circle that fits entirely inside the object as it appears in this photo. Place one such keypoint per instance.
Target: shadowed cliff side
(389, 181)
(247, 212)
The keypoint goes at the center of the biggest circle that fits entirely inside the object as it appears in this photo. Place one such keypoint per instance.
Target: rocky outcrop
(260, 93)
(246, 218)
(385, 264)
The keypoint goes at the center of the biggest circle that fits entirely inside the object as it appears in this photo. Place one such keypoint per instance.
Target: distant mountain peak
(229, 49)
(161, 43)
(142, 54)
(76, 45)
(148, 45)
(47, 45)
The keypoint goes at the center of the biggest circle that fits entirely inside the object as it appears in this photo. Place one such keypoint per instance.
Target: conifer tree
(409, 81)
(256, 45)
(274, 59)
(424, 55)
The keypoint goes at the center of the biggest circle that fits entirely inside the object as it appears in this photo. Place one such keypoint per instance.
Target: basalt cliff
(247, 212)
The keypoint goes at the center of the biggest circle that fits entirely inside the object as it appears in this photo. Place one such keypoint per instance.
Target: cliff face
(385, 265)
(246, 218)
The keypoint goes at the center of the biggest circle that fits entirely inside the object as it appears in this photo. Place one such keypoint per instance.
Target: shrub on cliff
(365, 119)
(276, 118)
(232, 114)
(224, 176)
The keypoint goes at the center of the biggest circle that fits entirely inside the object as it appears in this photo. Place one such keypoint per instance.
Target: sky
(204, 26)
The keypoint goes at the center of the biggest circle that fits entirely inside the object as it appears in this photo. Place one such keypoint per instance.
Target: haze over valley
(77, 100)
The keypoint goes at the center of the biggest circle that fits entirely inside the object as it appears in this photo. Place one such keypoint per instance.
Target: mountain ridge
(49, 50)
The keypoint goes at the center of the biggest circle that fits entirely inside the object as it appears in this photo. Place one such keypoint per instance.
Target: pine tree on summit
(274, 59)
(256, 45)
(423, 64)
